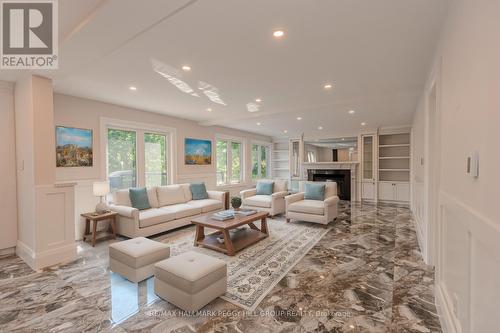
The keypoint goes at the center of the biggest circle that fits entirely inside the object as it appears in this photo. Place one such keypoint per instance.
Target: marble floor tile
(365, 275)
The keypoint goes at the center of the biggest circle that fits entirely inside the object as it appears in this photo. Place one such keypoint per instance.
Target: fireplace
(341, 177)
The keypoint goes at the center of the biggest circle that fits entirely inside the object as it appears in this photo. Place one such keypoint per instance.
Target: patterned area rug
(254, 271)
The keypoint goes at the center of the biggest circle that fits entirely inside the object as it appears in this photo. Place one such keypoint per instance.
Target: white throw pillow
(170, 195)
(122, 198)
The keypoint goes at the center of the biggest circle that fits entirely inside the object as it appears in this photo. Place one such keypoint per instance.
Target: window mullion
(229, 162)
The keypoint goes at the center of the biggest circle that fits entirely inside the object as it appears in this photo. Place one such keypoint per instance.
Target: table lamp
(101, 189)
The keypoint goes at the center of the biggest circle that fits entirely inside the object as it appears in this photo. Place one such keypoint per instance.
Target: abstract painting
(73, 147)
(197, 152)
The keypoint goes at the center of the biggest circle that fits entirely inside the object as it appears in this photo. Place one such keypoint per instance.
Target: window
(260, 161)
(136, 157)
(229, 161)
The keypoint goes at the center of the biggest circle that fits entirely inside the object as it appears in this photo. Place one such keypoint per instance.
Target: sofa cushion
(139, 198)
(191, 271)
(181, 210)
(187, 192)
(122, 198)
(138, 252)
(206, 205)
(265, 188)
(152, 197)
(170, 195)
(198, 191)
(315, 207)
(280, 185)
(314, 192)
(258, 201)
(154, 216)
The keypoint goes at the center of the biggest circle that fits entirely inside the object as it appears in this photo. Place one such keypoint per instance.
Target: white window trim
(229, 162)
(268, 146)
(170, 132)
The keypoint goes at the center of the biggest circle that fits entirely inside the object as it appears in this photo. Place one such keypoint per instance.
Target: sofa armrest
(216, 195)
(331, 200)
(281, 194)
(248, 193)
(294, 198)
(125, 211)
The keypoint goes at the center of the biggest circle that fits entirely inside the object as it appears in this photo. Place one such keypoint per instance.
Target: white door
(386, 191)
(402, 192)
(368, 190)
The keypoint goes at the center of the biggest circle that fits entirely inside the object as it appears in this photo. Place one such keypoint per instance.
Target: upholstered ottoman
(190, 280)
(135, 258)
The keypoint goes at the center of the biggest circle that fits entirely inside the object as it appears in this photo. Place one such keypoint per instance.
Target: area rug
(254, 271)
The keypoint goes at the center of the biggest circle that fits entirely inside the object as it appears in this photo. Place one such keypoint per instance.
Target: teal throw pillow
(199, 191)
(139, 198)
(314, 192)
(265, 188)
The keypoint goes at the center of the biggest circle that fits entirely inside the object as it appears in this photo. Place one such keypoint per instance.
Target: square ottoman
(134, 259)
(190, 280)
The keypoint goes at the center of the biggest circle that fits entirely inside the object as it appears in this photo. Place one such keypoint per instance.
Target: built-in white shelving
(280, 159)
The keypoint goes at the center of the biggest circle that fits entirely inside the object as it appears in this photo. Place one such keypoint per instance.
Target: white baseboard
(7, 251)
(449, 323)
(47, 258)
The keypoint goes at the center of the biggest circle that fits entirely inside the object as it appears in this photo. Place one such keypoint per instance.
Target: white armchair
(316, 211)
(274, 204)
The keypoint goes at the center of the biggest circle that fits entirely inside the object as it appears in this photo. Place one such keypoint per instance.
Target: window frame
(229, 159)
(140, 129)
(267, 146)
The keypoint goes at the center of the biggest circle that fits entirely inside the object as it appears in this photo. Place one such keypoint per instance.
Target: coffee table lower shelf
(239, 240)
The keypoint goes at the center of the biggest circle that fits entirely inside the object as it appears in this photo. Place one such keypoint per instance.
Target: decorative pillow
(314, 192)
(199, 191)
(265, 188)
(139, 198)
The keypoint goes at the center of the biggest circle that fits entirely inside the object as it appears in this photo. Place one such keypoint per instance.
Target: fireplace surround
(341, 177)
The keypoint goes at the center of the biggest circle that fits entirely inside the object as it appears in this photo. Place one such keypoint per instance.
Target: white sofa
(172, 206)
(273, 204)
(316, 211)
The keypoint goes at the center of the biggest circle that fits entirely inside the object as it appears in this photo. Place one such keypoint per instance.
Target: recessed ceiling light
(258, 100)
(258, 124)
(363, 124)
(186, 68)
(327, 86)
(351, 111)
(299, 118)
(343, 139)
(133, 88)
(285, 131)
(320, 127)
(278, 33)
(209, 109)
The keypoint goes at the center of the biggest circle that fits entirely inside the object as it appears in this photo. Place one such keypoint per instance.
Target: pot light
(285, 131)
(209, 110)
(320, 127)
(258, 124)
(327, 86)
(299, 118)
(363, 124)
(186, 68)
(133, 88)
(258, 100)
(343, 139)
(278, 33)
(351, 111)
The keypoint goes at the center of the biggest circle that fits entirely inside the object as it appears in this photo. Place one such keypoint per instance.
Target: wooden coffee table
(231, 244)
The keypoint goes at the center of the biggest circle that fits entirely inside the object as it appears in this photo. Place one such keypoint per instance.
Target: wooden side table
(95, 217)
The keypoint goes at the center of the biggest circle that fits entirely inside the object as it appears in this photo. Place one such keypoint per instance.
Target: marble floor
(365, 275)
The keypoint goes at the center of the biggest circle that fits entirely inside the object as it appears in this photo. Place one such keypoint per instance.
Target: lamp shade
(100, 189)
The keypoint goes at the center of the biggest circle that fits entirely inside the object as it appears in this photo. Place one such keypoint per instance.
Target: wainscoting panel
(468, 269)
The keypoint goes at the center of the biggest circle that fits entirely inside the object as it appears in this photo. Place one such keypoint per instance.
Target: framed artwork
(197, 152)
(73, 147)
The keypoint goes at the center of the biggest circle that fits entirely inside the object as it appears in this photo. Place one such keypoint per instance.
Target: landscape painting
(73, 147)
(197, 152)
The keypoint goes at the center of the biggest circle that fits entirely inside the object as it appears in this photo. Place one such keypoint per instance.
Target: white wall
(85, 113)
(8, 198)
(467, 72)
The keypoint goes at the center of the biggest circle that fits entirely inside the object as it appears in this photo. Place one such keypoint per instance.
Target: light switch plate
(473, 164)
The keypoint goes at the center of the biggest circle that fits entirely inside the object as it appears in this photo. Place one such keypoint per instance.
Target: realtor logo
(29, 34)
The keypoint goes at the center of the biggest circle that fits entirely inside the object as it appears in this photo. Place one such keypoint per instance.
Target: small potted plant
(236, 203)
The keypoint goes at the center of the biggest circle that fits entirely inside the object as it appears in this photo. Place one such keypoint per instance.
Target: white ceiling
(376, 53)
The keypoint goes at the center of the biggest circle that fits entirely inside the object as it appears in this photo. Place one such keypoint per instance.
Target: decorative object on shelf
(100, 189)
(236, 203)
(197, 152)
(73, 147)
